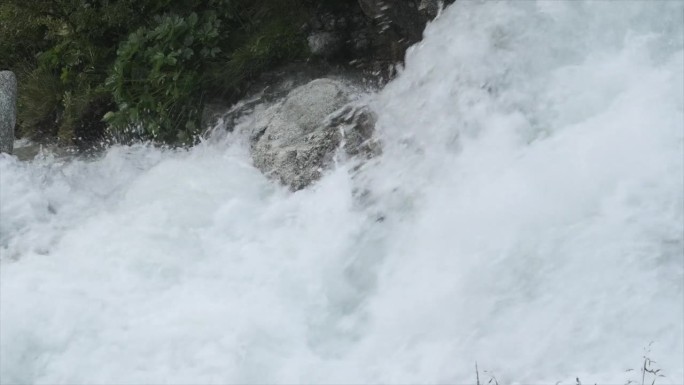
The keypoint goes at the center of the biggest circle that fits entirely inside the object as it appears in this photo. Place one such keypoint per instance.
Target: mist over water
(526, 213)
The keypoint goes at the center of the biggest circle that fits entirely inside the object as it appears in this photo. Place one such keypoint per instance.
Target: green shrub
(156, 80)
(273, 43)
(147, 66)
(164, 72)
(22, 36)
(82, 122)
(60, 51)
(39, 106)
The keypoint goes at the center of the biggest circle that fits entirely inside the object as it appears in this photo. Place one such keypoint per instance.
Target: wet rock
(334, 33)
(398, 24)
(272, 87)
(296, 139)
(8, 110)
(325, 44)
(356, 124)
(370, 35)
(430, 8)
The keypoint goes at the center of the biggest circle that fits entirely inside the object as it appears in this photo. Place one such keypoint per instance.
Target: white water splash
(531, 198)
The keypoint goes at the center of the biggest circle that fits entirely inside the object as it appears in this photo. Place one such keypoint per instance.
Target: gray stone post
(8, 110)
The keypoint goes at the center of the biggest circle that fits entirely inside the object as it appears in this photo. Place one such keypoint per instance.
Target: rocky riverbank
(313, 108)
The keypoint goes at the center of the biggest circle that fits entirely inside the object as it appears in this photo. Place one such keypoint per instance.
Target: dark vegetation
(129, 69)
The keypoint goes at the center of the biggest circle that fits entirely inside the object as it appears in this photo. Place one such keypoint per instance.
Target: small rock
(325, 44)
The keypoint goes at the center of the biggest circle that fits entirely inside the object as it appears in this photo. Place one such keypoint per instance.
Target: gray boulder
(8, 110)
(296, 140)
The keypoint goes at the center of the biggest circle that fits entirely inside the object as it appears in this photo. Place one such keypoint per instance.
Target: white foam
(531, 194)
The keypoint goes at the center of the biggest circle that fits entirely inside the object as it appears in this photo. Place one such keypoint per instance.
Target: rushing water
(526, 214)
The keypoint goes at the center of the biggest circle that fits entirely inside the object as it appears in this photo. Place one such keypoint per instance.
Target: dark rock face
(398, 17)
(370, 33)
(399, 23)
(339, 34)
(8, 110)
(325, 44)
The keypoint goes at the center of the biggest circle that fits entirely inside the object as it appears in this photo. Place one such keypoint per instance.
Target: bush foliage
(143, 67)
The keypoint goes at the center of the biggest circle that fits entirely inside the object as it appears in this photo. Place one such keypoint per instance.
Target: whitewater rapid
(526, 214)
